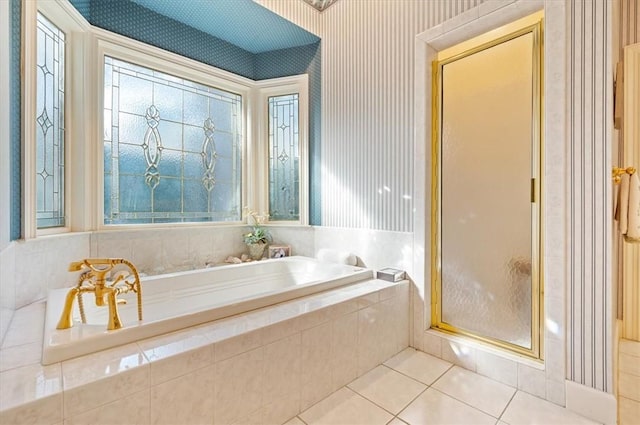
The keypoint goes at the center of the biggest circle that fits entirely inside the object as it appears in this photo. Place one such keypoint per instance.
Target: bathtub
(179, 300)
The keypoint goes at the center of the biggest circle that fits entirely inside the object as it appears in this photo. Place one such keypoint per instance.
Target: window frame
(277, 87)
(86, 47)
(118, 47)
(74, 28)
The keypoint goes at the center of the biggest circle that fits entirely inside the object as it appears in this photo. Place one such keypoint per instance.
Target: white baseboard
(590, 403)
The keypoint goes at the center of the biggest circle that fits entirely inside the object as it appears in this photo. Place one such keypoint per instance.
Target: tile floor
(628, 382)
(415, 388)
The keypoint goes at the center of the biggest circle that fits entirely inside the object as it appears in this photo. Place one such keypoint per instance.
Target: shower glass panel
(487, 171)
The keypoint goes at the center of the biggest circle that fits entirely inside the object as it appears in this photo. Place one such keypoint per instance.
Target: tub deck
(180, 300)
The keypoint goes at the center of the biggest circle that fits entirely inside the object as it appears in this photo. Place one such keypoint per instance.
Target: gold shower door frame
(532, 24)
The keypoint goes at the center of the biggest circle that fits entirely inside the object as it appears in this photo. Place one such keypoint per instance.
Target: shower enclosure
(486, 180)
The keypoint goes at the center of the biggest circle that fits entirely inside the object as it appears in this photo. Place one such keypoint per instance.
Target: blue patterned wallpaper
(134, 21)
(295, 61)
(243, 23)
(15, 208)
(83, 6)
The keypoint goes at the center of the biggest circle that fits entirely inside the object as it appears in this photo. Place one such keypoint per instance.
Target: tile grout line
(299, 418)
(377, 405)
(364, 397)
(409, 376)
(405, 375)
(465, 403)
(507, 406)
(409, 404)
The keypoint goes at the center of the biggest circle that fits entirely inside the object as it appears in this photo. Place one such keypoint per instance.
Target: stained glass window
(50, 131)
(284, 158)
(172, 148)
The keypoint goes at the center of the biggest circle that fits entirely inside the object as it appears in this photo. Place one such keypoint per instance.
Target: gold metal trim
(98, 279)
(532, 24)
(617, 172)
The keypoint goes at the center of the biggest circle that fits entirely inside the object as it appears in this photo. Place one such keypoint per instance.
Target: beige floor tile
(418, 365)
(629, 347)
(478, 391)
(528, 409)
(629, 411)
(434, 407)
(294, 421)
(345, 407)
(627, 364)
(397, 421)
(629, 386)
(387, 388)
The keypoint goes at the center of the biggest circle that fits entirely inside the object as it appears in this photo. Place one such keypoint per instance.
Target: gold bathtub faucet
(98, 279)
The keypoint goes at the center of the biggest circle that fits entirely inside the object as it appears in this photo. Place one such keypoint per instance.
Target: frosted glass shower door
(487, 172)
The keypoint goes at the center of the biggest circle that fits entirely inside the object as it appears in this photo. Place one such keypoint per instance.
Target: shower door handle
(534, 198)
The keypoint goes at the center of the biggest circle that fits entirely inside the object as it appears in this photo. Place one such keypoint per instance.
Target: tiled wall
(28, 269)
(267, 374)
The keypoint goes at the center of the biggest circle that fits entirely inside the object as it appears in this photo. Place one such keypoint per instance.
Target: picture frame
(279, 251)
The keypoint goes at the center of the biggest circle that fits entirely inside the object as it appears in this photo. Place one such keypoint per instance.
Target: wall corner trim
(591, 403)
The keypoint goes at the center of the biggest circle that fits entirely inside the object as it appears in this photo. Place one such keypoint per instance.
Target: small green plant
(258, 233)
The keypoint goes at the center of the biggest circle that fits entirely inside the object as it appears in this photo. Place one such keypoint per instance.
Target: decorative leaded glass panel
(284, 158)
(172, 148)
(50, 125)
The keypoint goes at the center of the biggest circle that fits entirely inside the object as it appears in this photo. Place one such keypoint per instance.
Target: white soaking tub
(179, 300)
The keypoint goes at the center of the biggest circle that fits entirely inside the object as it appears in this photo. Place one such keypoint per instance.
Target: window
(152, 137)
(172, 148)
(284, 158)
(50, 128)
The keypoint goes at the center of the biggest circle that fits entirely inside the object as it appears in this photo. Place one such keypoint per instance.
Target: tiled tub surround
(29, 269)
(265, 366)
(179, 300)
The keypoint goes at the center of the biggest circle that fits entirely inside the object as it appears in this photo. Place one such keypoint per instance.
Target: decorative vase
(256, 250)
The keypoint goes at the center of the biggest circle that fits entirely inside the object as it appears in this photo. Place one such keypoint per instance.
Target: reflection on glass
(486, 170)
(172, 148)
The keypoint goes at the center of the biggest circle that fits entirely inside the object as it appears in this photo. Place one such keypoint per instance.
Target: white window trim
(5, 142)
(65, 17)
(277, 87)
(84, 162)
(119, 47)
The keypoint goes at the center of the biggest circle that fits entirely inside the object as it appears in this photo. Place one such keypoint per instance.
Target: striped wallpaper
(590, 86)
(367, 88)
(368, 117)
(298, 12)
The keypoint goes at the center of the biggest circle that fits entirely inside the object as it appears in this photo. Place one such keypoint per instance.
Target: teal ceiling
(243, 23)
